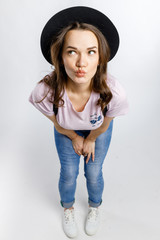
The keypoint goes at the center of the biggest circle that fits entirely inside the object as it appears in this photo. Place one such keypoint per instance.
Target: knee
(93, 174)
(69, 174)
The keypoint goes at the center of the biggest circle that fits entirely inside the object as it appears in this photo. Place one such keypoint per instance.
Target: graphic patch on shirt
(95, 120)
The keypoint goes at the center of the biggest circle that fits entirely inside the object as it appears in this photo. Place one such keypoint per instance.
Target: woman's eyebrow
(76, 48)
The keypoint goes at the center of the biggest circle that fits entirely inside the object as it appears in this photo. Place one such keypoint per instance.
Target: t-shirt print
(95, 119)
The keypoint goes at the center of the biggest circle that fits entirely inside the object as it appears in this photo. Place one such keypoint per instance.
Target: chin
(80, 80)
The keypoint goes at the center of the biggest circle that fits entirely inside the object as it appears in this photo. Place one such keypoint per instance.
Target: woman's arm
(69, 133)
(89, 142)
(77, 141)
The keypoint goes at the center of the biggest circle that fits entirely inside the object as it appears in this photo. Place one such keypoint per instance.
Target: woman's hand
(89, 149)
(77, 143)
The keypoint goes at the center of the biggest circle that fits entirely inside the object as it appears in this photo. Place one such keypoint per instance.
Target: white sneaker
(69, 224)
(92, 221)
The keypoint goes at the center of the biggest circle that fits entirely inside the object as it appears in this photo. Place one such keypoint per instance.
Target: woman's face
(80, 55)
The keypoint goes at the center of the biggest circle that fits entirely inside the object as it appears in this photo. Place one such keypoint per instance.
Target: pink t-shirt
(91, 117)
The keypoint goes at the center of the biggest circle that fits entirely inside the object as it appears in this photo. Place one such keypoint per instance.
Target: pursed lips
(80, 73)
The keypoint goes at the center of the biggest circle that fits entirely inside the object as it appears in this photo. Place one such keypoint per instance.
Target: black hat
(81, 14)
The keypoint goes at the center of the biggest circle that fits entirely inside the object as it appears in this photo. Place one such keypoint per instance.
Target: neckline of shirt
(65, 93)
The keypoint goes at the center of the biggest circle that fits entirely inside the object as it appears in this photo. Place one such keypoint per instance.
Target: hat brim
(81, 14)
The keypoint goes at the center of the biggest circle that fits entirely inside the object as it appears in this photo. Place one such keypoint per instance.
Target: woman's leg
(93, 170)
(69, 161)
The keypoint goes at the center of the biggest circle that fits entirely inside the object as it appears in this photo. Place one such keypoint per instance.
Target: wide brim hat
(81, 14)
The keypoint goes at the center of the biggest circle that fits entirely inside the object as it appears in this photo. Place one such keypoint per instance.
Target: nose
(81, 61)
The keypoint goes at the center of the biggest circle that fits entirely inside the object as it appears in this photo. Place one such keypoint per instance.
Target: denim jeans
(69, 161)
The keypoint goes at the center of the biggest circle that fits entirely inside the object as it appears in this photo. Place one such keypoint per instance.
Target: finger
(84, 154)
(93, 156)
(79, 152)
(88, 157)
(76, 151)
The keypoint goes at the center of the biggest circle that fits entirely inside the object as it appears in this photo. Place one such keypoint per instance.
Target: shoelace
(69, 216)
(93, 214)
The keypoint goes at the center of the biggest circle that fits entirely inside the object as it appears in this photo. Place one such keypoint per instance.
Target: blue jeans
(69, 161)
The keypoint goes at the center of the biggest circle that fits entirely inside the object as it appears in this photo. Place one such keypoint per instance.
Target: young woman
(81, 99)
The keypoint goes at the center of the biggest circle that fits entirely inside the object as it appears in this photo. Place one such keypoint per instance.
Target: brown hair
(56, 79)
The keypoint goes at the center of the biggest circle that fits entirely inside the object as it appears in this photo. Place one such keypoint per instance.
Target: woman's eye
(71, 52)
(91, 52)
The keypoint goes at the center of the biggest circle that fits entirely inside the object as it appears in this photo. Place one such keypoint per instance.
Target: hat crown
(81, 14)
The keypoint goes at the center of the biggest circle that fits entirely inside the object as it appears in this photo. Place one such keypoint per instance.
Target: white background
(29, 165)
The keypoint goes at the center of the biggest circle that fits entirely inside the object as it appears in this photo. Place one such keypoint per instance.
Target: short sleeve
(37, 94)
(119, 104)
